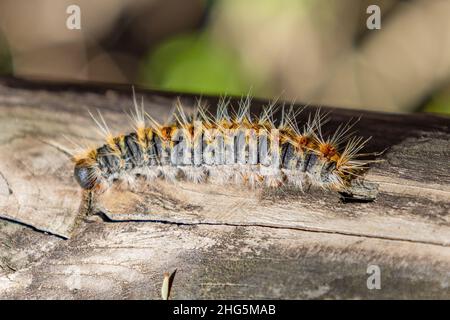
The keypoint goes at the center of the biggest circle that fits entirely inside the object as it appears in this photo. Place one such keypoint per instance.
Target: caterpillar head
(86, 176)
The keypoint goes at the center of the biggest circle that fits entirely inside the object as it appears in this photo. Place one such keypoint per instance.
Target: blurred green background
(317, 52)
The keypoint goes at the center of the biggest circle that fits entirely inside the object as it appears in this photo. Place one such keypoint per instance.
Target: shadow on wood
(224, 242)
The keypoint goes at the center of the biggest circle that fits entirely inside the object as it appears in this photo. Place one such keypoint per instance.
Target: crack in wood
(215, 236)
(10, 191)
(315, 230)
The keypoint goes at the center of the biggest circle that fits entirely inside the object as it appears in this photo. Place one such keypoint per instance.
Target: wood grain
(225, 242)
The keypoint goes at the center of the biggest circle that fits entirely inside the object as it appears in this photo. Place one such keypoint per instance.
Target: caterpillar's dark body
(226, 149)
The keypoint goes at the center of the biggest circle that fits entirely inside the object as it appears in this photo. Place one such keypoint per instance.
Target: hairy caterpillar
(232, 147)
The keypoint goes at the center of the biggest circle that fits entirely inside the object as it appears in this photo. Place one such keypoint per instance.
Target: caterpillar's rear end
(232, 147)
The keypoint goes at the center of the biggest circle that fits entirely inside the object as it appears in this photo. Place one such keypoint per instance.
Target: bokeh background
(314, 51)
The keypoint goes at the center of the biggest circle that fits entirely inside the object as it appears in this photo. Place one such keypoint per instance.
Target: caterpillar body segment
(231, 147)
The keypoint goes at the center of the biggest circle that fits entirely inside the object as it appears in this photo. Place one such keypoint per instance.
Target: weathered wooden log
(225, 242)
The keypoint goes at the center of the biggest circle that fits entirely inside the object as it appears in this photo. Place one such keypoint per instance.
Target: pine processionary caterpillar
(232, 147)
